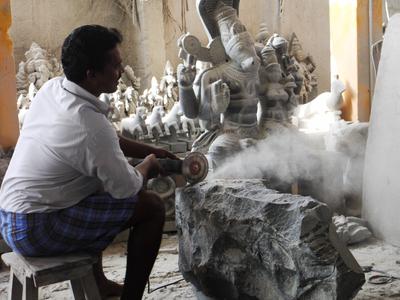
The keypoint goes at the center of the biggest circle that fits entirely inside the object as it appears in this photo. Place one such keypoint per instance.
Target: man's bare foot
(109, 288)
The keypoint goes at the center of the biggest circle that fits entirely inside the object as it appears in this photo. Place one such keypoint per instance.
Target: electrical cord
(381, 278)
(149, 291)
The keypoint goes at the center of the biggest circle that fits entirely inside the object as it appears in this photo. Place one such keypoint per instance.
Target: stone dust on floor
(374, 253)
(382, 257)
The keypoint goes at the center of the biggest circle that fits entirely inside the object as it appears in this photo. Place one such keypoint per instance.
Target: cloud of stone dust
(288, 158)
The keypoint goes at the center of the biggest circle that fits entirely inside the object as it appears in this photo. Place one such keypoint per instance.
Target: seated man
(69, 187)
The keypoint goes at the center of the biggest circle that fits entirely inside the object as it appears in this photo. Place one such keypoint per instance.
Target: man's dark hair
(86, 48)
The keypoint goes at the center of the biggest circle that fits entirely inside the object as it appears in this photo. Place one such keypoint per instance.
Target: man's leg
(144, 242)
(107, 288)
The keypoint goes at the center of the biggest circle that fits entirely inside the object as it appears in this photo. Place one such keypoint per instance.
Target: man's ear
(90, 74)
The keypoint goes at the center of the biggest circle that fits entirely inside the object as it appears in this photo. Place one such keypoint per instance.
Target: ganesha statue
(306, 67)
(223, 96)
(39, 67)
(277, 98)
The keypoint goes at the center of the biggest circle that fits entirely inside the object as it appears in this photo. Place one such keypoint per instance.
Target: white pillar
(381, 199)
(8, 103)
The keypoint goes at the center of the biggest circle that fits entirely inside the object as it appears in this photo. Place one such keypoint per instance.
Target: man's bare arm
(132, 148)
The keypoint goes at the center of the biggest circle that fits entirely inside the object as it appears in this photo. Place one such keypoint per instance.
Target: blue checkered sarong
(90, 226)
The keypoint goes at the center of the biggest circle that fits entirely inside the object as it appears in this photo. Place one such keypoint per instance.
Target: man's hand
(149, 167)
(161, 153)
(132, 148)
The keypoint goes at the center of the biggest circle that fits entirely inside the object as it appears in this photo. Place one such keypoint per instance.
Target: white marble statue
(290, 70)
(263, 34)
(320, 113)
(119, 102)
(306, 66)
(32, 91)
(223, 97)
(22, 79)
(151, 97)
(135, 127)
(119, 111)
(169, 87)
(38, 68)
(276, 104)
(106, 98)
(130, 79)
(173, 118)
(131, 97)
(23, 103)
(131, 91)
(154, 121)
(189, 127)
(119, 106)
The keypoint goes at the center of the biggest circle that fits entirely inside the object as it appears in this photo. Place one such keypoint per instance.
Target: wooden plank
(16, 266)
(39, 266)
(90, 287)
(15, 287)
(29, 291)
(62, 275)
(77, 289)
(34, 272)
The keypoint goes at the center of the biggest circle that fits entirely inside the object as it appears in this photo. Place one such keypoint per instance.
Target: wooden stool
(27, 274)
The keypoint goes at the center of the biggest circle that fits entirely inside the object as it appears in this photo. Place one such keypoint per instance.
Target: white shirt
(67, 150)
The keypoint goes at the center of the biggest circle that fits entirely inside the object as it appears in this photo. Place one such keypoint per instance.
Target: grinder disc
(195, 167)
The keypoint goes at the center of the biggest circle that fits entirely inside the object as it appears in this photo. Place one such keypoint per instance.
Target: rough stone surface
(351, 230)
(240, 240)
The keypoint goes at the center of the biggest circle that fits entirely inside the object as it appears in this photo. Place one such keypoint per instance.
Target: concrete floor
(379, 255)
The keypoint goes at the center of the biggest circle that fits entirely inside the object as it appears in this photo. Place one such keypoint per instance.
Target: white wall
(48, 22)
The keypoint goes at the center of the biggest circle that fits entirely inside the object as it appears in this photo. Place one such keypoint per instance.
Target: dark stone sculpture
(240, 240)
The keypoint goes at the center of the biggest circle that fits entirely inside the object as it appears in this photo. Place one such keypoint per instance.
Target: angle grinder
(192, 169)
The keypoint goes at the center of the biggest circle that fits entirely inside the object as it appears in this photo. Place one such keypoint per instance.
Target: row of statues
(143, 116)
(124, 101)
(154, 114)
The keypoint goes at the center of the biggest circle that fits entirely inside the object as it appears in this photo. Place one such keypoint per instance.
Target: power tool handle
(171, 165)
